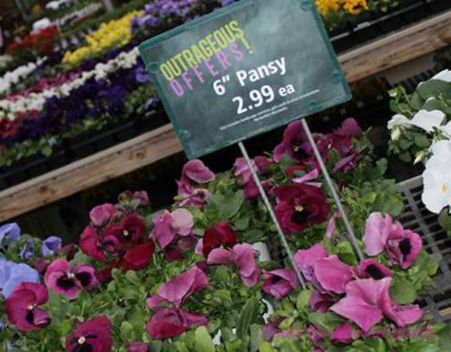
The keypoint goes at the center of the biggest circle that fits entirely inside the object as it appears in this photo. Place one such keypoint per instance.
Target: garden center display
(225, 176)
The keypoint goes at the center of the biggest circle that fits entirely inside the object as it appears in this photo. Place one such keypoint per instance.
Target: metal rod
(271, 213)
(333, 190)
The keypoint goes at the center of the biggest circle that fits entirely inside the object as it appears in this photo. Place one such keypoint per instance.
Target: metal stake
(271, 212)
(333, 190)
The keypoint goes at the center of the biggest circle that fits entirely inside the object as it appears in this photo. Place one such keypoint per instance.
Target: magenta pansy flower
(168, 227)
(343, 334)
(138, 257)
(321, 302)
(64, 280)
(294, 144)
(368, 301)
(300, 206)
(102, 214)
(179, 288)
(91, 336)
(370, 268)
(129, 231)
(350, 128)
(243, 257)
(96, 247)
(196, 171)
(383, 234)
(243, 172)
(220, 235)
(171, 322)
(137, 347)
(280, 283)
(22, 307)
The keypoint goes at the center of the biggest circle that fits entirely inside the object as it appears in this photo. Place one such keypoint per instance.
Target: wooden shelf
(365, 61)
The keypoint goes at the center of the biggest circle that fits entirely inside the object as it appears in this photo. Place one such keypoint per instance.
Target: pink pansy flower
(197, 172)
(137, 347)
(308, 178)
(332, 274)
(280, 283)
(328, 273)
(67, 281)
(370, 268)
(171, 322)
(243, 257)
(179, 288)
(171, 226)
(383, 234)
(343, 334)
(191, 197)
(367, 301)
(321, 302)
(102, 214)
(332, 225)
(306, 258)
(243, 172)
(22, 307)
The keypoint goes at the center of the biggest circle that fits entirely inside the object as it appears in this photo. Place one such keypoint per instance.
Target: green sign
(244, 70)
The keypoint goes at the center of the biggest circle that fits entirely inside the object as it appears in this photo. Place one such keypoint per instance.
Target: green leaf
(445, 337)
(247, 316)
(303, 299)
(266, 347)
(127, 331)
(432, 88)
(422, 141)
(445, 220)
(204, 343)
(231, 205)
(403, 291)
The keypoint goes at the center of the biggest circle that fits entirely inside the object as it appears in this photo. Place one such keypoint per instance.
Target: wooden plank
(91, 171)
(375, 57)
(446, 313)
(398, 48)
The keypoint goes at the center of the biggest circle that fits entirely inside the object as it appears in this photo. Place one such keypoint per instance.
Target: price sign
(244, 70)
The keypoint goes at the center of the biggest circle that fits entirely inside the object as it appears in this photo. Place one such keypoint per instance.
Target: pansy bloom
(383, 234)
(300, 206)
(22, 307)
(91, 336)
(368, 301)
(102, 214)
(280, 283)
(97, 247)
(67, 281)
(243, 257)
(220, 235)
(129, 231)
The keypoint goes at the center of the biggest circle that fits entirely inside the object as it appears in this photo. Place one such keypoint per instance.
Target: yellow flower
(355, 7)
(110, 35)
(325, 7)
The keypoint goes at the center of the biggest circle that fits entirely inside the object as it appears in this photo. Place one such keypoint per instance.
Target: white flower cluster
(13, 77)
(36, 101)
(437, 176)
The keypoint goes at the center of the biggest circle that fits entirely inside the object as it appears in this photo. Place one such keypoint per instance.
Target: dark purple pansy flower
(22, 307)
(91, 336)
(370, 268)
(67, 281)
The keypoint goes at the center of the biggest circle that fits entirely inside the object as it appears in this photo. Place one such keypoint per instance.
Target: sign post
(244, 70)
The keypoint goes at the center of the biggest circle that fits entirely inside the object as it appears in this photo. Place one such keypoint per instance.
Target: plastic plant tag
(244, 70)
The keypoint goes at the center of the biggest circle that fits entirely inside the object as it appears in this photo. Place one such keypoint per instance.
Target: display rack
(370, 59)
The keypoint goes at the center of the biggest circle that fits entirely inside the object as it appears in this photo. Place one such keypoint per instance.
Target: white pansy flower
(437, 178)
(428, 120)
(445, 76)
(446, 130)
(399, 120)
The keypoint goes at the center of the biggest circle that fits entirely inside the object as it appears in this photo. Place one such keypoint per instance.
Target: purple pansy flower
(51, 246)
(9, 232)
(13, 274)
